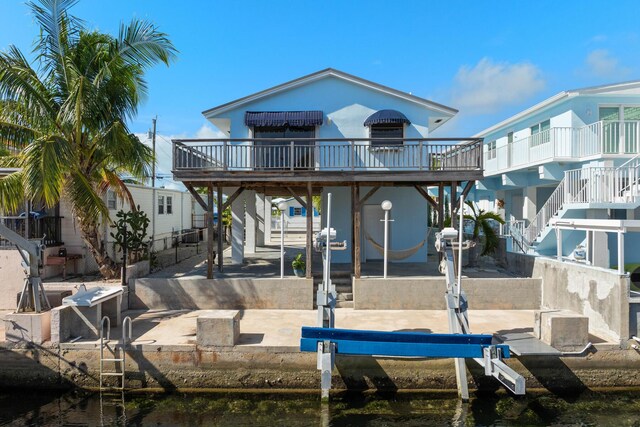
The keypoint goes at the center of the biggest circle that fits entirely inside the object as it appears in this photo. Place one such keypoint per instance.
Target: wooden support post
(309, 255)
(441, 206)
(454, 202)
(356, 215)
(210, 259)
(220, 230)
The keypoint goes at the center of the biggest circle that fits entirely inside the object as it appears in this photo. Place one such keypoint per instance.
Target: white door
(372, 225)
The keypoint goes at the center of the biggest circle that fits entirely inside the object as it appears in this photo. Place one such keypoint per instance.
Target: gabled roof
(329, 72)
(592, 90)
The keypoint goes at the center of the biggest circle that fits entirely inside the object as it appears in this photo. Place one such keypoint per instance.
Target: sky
(488, 59)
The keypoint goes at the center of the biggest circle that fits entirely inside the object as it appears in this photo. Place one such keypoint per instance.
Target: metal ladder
(126, 337)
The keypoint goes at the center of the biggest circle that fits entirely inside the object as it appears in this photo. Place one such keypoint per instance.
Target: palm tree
(482, 231)
(68, 116)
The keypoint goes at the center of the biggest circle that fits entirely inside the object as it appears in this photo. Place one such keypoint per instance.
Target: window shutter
(303, 212)
(291, 211)
(315, 212)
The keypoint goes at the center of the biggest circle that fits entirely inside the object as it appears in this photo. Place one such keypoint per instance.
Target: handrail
(327, 154)
(102, 322)
(126, 331)
(586, 185)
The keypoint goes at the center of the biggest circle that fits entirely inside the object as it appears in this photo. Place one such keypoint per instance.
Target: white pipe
(461, 226)
(282, 244)
(328, 248)
(386, 241)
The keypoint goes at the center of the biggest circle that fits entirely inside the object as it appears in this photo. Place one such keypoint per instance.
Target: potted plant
(299, 266)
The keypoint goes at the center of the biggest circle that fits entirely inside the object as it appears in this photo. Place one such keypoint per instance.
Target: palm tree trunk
(91, 236)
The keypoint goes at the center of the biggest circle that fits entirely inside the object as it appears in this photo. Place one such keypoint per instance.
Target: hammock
(395, 255)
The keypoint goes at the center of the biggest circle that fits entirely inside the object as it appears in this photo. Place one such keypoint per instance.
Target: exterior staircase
(590, 187)
(344, 287)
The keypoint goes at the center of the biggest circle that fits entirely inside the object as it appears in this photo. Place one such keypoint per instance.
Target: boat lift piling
(459, 344)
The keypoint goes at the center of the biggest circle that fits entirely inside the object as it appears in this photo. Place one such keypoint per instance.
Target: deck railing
(599, 138)
(48, 228)
(328, 154)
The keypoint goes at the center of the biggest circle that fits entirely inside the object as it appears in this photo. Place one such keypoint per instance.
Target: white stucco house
(573, 156)
(332, 132)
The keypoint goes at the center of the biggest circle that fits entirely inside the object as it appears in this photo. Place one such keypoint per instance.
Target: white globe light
(386, 205)
(282, 206)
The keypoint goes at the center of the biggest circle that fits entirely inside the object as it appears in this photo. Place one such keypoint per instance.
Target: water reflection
(304, 409)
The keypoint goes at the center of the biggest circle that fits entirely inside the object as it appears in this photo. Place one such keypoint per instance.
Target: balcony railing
(327, 154)
(48, 228)
(604, 138)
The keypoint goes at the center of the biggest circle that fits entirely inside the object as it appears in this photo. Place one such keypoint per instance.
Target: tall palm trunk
(91, 236)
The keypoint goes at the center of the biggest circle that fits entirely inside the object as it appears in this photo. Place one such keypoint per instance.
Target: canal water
(304, 409)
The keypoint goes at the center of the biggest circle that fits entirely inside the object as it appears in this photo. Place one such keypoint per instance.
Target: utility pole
(153, 185)
(153, 142)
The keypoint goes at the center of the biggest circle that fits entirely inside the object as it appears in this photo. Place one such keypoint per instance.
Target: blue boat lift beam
(399, 344)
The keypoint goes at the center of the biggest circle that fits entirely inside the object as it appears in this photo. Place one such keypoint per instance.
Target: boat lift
(33, 297)
(459, 344)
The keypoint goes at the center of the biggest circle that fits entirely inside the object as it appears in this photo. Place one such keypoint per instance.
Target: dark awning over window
(385, 117)
(283, 118)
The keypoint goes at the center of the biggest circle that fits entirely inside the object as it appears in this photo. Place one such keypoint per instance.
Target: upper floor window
(169, 205)
(112, 200)
(386, 128)
(386, 135)
(540, 133)
(160, 205)
(491, 150)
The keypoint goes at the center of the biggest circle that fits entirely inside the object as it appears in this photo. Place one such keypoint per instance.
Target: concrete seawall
(174, 367)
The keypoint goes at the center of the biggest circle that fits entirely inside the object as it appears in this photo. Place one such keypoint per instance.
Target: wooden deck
(303, 167)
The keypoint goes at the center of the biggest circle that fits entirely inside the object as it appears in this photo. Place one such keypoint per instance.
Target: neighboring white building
(171, 213)
(294, 215)
(572, 156)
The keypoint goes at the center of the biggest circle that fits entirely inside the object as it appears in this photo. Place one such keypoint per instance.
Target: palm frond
(12, 194)
(45, 164)
(19, 81)
(111, 181)
(58, 30)
(85, 201)
(141, 43)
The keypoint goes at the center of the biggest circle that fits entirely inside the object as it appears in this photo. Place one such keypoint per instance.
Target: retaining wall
(205, 294)
(428, 293)
(598, 293)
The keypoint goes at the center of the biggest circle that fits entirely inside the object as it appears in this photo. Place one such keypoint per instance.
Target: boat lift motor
(33, 298)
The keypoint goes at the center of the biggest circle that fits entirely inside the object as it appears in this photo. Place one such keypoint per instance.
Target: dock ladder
(121, 361)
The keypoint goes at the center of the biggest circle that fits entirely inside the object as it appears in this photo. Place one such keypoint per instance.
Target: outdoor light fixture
(281, 207)
(386, 205)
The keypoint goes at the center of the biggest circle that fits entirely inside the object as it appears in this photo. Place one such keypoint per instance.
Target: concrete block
(218, 328)
(562, 329)
(28, 327)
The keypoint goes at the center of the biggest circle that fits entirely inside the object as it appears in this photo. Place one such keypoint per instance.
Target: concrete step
(346, 296)
(344, 304)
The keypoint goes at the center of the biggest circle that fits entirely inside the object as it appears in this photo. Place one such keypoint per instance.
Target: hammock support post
(282, 206)
(386, 207)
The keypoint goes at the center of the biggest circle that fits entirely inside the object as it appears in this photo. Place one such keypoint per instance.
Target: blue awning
(283, 118)
(386, 116)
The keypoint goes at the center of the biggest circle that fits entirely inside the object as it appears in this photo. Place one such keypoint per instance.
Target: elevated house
(573, 156)
(330, 132)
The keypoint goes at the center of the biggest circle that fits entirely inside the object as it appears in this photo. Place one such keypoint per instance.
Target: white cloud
(489, 85)
(207, 131)
(601, 63)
